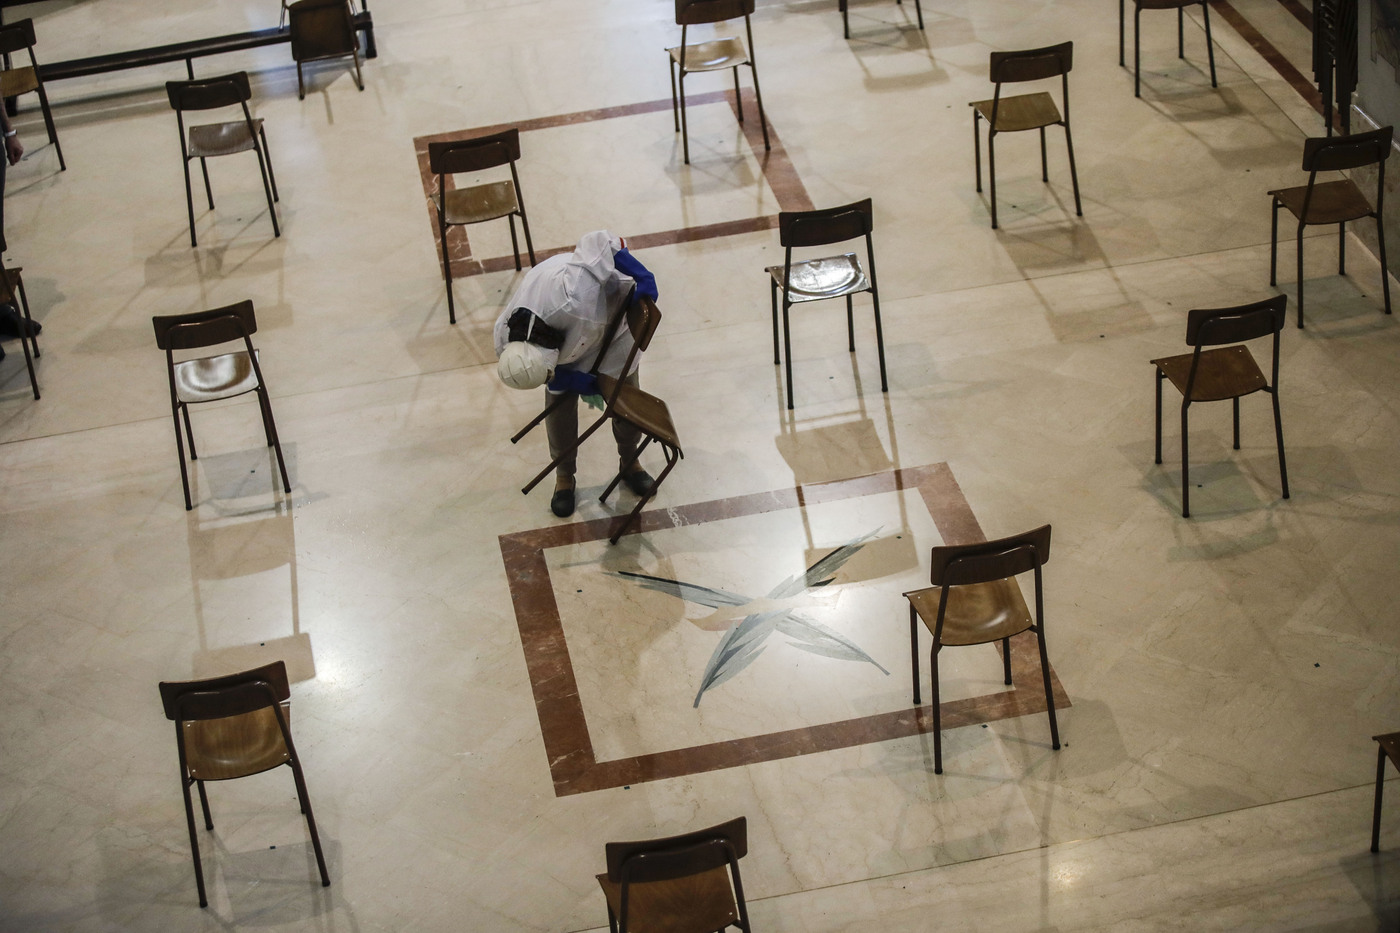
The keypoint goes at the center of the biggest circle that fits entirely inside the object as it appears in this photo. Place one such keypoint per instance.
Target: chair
(678, 884)
(1025, 111)
(231, 727)
(1225, 372)
(208, 140)
(627, 402)
(1335, 202)
(211, 378)
(975, 600)
(12, 293)
(15, 81)
(478, 203)
(322, 29)
(846, 21)
(1389, 747)
(1180, 7)
(831, 277)
(714, 55)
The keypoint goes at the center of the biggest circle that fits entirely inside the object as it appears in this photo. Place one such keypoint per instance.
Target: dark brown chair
(624, 401)
(231, 727)
(1227, 372)
(975, 600)
(1335, 202)
(208, 140)
(479, 203)
(211, 378)
(12, 293)
(1025, 111)
(1180, 7)
(678, 884)
(715, 55)
(846, 20)
(830, 277)
(15, 37)
(322, 29)
(1389, 747)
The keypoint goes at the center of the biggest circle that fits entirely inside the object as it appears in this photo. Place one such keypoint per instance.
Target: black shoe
(562, 504)
(12, 324)
(640, 482)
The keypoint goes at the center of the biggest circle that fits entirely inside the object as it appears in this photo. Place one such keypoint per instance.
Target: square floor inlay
(748, 629)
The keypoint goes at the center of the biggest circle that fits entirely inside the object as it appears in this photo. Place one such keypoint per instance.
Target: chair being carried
(232, 727)
(211, 378)
(1335, 202)
(715, 55)
(625, 402)
(1025, 111)
(1225, 372)
(680, 884)
(208, 140)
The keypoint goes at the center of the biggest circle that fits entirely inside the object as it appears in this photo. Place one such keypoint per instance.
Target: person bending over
(551, 333)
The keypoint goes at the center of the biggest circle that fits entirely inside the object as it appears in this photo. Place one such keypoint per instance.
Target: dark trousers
(562, 427)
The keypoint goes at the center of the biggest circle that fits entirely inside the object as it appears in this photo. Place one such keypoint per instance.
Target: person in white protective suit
(550, 334)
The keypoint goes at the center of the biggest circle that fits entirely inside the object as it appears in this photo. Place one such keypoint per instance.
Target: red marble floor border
(777, 168)
(564, 727)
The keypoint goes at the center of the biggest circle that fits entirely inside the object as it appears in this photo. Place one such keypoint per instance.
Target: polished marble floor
(483, 695)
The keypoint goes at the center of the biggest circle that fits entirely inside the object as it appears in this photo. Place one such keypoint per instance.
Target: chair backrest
(17, 35)
(1336, 153)
(678, 856)
(1213, 327)
(209, 93)
(961, 564)
(695, 12)
(205, 328)
(320, 29)
(230, 695)
(828, 225)
(1032, 64)
(473, 155)
(643, 317)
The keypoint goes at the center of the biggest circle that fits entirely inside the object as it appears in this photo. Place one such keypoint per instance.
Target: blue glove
(627, 264)
(571, 380)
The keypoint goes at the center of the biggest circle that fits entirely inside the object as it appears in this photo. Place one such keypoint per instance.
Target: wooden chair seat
(679, 884)
(977, 613)
(642, 409)
(715, 55)
(210, 378)
(1227, 372)
(480, 203)
(220, 139)
(235, 746)
(1022, 112)
(1333, 202)
(16, 81)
